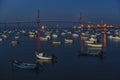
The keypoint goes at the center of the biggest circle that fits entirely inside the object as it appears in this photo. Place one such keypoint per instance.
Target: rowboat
(22, 65)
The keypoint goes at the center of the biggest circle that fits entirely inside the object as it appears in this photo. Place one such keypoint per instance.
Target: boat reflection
(93, 48)
(98, 54)
(42, 62)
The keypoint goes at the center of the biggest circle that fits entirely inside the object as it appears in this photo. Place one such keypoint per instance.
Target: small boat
(22, 65)
(16, 37)
(63, 33)
(42, 56)
(75, 35)
(93, 39)
(44, 38)
(95, 45)
(68, 40)
(54, 35)
(116, 38)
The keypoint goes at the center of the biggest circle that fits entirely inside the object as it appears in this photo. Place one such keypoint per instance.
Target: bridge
(59, 21)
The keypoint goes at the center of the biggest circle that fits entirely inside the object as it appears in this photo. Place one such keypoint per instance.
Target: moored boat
(23, 65)
(42, 56)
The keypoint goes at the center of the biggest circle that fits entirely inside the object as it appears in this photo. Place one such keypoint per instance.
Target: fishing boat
(23, 65)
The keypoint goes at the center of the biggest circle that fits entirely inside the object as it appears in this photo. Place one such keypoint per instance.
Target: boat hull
(44, 57)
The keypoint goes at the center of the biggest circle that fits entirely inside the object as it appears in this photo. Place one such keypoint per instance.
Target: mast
(81, 31)
(38, 32)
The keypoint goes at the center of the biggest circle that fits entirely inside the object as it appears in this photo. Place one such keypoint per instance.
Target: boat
(116, 38)
(54, 35)
(95, 45)
(75, 35)
(16, 37)
(93, 39)
(89, 42)
(68, 40)
(44, 38)
(42, 56)
(23, 65)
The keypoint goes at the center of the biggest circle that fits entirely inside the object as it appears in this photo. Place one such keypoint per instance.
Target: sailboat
(39, 54)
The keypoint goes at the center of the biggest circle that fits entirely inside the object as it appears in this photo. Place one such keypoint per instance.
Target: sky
(107, 11)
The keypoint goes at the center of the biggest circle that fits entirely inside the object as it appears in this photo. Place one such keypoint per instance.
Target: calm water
(68, 66)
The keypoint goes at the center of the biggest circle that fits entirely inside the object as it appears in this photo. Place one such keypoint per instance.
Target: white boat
(116, 38)
(68, 40)
(63, 33)
(54, 35)
(16, 37)
(110, 36)
(41, 56)
(75, 35)
(69, 32)
(44, 38)
(93, 39)
(4, 36)
(95, 45)
(32, 35)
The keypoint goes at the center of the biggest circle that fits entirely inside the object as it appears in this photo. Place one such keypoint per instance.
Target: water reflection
(43, 62)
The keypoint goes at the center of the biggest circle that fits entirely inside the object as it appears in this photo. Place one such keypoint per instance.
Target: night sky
(107, 11)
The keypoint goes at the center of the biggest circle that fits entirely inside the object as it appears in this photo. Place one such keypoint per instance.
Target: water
(68, 66)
